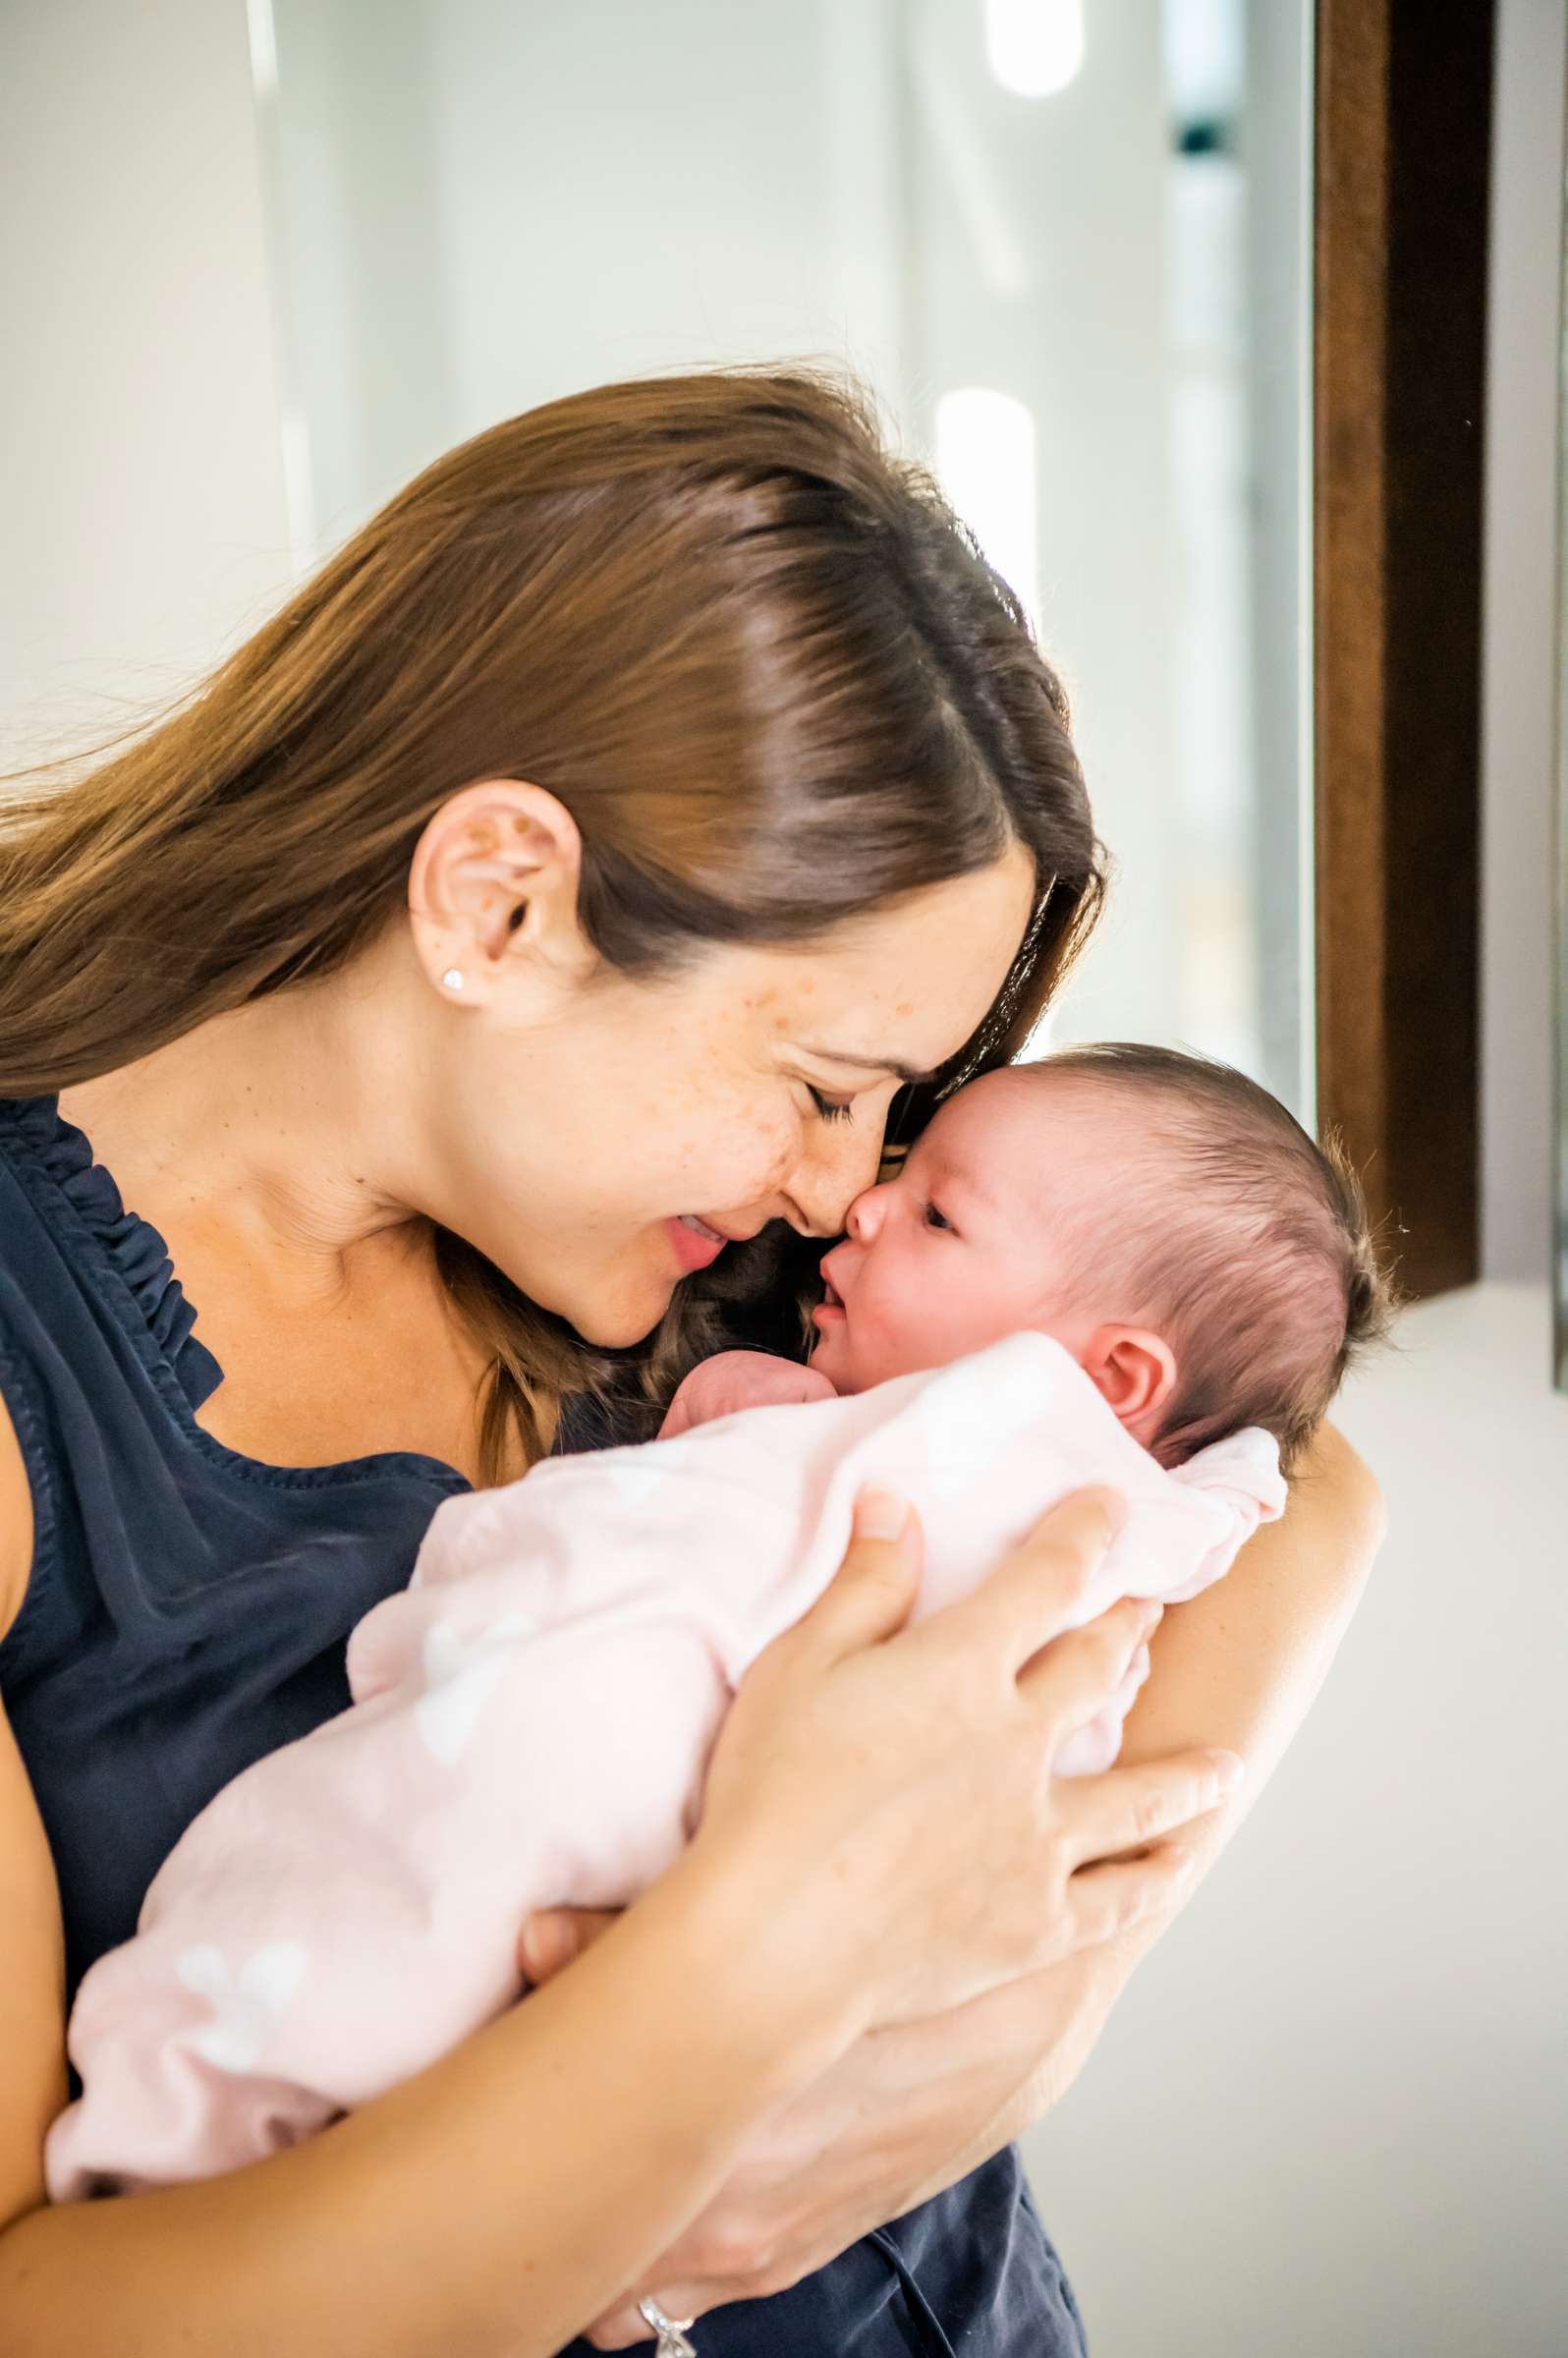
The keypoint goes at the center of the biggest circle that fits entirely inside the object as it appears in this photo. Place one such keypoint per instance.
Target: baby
(1117, 1265)
(1164, 1218)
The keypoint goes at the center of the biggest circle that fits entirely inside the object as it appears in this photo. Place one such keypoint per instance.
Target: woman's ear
(494, 891)
(1134, 1369)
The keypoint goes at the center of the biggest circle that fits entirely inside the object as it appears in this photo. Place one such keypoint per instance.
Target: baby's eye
(935, 1218)
(830, 1109)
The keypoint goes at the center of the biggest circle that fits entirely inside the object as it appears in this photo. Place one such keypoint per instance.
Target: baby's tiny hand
(736, 1379)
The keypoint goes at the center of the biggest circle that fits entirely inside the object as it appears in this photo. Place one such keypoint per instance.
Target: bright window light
(986, 459)
(1034, 46)
(263, 49)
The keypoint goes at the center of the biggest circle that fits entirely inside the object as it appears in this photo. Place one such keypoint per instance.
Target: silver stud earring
(452, 980)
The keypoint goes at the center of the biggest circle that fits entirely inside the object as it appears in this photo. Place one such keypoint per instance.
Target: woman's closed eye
(830, 1109)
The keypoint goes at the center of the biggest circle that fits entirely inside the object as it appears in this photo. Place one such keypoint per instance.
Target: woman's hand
(970, 1707)
(906, 2113)
(911, 1767)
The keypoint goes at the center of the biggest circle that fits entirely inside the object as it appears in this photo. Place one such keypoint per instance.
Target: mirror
(1068, 249)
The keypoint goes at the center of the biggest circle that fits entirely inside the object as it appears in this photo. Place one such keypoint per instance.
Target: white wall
(1329, 2113)
(140, 476)
(488, 206)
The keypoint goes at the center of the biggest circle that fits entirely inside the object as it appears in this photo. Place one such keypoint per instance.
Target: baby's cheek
(885, 1332)
(930, 1320)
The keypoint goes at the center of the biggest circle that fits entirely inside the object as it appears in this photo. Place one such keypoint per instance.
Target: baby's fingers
(552, 1937)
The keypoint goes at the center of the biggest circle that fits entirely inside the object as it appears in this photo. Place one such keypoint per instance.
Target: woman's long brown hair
(754, 654)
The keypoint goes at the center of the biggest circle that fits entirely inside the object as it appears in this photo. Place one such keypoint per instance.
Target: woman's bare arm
(33, 1951)
(1238, 1665)
(1241, 1665)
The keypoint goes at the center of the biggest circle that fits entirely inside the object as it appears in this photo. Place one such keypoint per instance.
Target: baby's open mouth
(831, 1295)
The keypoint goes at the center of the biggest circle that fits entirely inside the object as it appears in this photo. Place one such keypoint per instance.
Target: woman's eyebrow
(870, 1064)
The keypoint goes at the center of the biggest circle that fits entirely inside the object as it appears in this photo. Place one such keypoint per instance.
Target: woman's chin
(615, 1316)
(611, 1330)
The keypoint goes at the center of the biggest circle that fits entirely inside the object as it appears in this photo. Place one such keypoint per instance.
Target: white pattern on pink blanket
(531, 1720)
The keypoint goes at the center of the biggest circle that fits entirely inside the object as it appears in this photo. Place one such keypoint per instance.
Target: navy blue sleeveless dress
(187, 1611)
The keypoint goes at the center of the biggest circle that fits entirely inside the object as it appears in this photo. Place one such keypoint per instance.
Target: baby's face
(971, 1242)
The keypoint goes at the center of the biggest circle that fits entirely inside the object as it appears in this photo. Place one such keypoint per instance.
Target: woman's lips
(696, 1246)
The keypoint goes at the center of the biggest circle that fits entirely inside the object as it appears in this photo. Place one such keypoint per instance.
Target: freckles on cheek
(730, 1157)
(682, 1148)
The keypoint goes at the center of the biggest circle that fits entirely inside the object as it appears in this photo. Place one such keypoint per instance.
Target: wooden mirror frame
(1403, 112)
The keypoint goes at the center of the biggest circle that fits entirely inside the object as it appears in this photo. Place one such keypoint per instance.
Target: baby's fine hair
(1259, 1260)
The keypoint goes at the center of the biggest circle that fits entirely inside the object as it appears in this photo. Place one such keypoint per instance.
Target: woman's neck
(275, 1148)
(274, 1120)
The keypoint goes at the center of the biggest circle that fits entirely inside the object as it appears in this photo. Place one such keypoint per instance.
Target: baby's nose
(864, 1216)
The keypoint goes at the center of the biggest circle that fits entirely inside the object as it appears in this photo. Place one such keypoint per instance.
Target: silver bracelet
(671, 2330)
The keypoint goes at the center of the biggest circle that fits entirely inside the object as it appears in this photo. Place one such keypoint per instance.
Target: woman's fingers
(869, 1596)
(1039, 1591)
(1126, 1808)
(1069, 1679)
(1111, 1898)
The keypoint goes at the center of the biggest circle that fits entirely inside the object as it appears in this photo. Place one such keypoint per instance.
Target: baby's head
(1165, 1219)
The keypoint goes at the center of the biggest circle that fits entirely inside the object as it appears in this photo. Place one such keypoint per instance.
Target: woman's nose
(831, 1180)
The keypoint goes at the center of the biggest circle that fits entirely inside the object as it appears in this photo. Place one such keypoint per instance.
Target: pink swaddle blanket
(531, 1720)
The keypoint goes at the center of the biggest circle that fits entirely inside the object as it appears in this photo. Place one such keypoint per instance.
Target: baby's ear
(1133, 1368)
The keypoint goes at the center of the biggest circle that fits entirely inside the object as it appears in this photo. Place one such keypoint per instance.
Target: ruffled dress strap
(132, 1253)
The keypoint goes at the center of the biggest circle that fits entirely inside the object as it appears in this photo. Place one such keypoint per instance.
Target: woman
(558, 893)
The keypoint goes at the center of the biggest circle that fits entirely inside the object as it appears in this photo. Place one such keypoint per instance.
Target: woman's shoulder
(15, 1523)
(29, 1169)
(98, 1371)
(35, 1137)
(72, 1252)
(52, 1190)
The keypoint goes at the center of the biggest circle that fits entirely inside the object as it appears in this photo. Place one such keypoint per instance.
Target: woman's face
(597, 1135)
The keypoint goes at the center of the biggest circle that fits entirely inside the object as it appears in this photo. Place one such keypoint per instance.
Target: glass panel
(1559, 1198)
(1067, 248)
